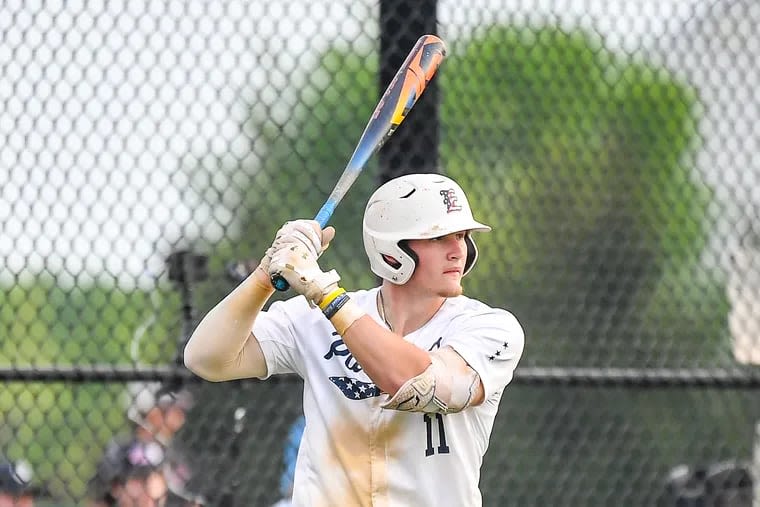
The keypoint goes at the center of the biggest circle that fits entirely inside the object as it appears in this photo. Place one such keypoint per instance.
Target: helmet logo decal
(450, 200)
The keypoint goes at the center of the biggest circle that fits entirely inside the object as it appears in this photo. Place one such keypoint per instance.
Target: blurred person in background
(721, 484)
(158, 412)
(17, 486)
(148, 454)
(136, 474)
(130, 475)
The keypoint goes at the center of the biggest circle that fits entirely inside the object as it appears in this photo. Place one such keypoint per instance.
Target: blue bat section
(361, 154)
(326, 212)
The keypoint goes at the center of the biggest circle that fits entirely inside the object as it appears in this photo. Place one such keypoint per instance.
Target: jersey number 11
(442, 447)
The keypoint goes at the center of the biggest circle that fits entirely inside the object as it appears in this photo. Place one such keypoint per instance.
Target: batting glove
(297, 263)
(304, 232)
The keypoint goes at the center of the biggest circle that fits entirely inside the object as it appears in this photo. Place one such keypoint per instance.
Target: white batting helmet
(414, 206)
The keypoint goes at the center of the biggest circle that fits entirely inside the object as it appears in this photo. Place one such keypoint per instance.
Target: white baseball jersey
(355, 453)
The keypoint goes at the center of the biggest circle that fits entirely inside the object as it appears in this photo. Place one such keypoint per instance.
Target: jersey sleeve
(275, 330)
(492, 343)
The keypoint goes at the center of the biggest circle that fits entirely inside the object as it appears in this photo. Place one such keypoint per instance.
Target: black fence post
(186, 268)
(414, 146)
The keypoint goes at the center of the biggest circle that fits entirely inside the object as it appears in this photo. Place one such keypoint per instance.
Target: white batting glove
(266, 260)
(297, 263)
(305, 232)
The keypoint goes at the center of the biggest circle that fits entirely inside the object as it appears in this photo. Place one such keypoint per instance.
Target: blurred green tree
(580, 160)
(304, 157)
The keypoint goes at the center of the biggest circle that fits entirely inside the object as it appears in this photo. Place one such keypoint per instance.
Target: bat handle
(325, 213)
(278, 281)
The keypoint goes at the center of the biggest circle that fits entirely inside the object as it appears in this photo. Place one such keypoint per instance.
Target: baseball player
(402, 382)
(17, 485)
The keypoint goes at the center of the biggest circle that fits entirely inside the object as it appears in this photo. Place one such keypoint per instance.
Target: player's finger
(328, 233)
(306, 232)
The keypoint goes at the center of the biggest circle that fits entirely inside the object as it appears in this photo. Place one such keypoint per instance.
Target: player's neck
(404, 310)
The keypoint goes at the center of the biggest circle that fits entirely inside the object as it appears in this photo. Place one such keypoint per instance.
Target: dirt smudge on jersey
(385, 452)
(351, 455)
(364, 455)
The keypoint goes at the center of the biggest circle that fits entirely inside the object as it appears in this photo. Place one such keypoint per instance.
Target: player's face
(143, 492)
(165, 422)
(440, 264)
(8, 500)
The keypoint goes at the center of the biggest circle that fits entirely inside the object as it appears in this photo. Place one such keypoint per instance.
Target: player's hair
(414, 206)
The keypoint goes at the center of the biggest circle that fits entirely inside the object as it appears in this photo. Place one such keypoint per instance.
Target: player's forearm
(385, 357)
(222, 346)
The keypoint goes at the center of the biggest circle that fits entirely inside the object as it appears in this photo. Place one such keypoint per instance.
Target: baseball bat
(402, 93)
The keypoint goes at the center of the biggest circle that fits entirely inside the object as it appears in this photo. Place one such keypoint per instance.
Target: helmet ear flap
(472, 253)
(395, 264)
(404, 246)
(391, 261)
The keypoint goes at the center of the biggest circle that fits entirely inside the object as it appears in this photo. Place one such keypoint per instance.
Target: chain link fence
(612, 145)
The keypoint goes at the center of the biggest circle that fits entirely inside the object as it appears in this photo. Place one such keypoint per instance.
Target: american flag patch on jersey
(355, 389)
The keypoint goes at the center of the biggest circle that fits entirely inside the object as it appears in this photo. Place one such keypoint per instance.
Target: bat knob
(279, 283)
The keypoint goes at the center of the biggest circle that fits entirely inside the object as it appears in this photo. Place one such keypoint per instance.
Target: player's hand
(306, 232)
(296, 261)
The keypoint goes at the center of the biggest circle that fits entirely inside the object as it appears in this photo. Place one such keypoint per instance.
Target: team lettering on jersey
(339, 349)
(352, 388)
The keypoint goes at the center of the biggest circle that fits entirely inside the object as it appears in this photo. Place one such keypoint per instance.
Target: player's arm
(385, 357)
(223, 347)
(418, 380)
(480, 357)
(396, 366)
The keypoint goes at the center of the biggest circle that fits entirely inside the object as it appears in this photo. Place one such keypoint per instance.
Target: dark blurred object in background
(722, 484)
